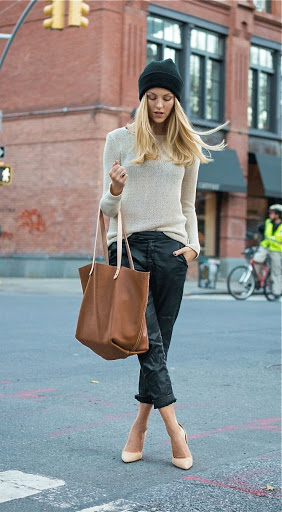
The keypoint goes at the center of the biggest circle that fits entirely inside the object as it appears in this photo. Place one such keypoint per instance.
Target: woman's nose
(159, 103)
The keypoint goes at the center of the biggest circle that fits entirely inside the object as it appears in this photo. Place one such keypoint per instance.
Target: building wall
(62, 91)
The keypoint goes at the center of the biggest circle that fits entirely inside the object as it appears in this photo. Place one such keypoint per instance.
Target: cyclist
(272, 245)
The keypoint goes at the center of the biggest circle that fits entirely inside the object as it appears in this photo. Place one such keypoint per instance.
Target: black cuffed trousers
(152, 251)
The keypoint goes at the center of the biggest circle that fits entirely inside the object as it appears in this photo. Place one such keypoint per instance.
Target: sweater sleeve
(109, 203)
(188, 197)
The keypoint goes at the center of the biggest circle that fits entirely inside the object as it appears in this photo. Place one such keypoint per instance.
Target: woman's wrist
(114, 191)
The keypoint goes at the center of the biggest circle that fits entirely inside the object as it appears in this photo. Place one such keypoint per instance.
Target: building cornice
(267, 19)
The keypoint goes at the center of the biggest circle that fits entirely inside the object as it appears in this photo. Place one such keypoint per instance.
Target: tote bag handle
(120, 231)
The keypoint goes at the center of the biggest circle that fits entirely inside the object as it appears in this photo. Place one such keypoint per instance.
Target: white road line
(213, 297)
(114, 506)
(16, 484)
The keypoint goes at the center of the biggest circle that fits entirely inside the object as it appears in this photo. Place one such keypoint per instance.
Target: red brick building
(62, 91)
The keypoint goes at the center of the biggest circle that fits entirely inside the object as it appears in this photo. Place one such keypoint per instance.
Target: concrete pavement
(65, 413)
(72, 286)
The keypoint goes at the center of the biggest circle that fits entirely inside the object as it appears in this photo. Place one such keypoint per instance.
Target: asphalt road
(62, 434)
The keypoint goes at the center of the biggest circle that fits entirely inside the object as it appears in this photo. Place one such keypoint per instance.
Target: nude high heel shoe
(185, 462)
(132, 456)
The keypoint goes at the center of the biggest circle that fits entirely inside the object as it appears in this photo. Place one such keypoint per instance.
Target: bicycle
(244, 279)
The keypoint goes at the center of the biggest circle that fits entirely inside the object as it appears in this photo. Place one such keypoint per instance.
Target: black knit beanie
(161, 73)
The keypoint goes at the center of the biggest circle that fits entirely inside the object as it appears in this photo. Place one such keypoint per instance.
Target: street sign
(2, 151)
(5, 175)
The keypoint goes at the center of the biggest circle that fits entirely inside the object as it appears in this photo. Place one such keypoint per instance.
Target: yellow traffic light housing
(56, 10)
(76, 9)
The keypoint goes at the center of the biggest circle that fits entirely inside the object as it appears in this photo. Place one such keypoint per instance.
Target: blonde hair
(182, 143)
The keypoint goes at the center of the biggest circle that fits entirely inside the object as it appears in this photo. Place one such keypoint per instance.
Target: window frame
(188, 23)
(268, 7)
(274, 131)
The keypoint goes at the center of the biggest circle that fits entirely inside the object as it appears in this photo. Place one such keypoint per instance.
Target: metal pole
(17, 26)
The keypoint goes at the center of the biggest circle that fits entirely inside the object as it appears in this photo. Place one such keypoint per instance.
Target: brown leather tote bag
(111, 320)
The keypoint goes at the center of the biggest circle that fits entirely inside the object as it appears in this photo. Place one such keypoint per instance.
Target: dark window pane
(152, 52)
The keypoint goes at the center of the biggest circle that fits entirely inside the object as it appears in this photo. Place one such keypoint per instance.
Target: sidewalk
(62, 286)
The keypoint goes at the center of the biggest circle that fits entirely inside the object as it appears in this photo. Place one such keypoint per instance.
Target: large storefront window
(206, 207)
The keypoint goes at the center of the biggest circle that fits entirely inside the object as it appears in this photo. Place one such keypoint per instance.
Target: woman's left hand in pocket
(189, 253)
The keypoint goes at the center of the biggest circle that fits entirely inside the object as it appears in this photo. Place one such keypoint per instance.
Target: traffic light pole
(11, 36)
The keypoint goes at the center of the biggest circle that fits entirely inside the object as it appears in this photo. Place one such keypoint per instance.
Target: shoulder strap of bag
(120, 231)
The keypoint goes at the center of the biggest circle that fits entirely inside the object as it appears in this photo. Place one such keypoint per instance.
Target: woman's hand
(189, 254)
(118, 176)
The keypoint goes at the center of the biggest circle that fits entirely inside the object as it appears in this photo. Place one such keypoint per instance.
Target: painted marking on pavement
(32, 394)
(109, 418)
(256, 492)
(16, 484)
(222, 297)
(114, 506)
(261, 424)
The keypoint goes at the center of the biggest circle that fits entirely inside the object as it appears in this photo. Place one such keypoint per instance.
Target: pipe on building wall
(66, 110)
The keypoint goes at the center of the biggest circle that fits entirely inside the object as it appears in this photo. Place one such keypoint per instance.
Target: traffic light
(5, 174)
(76, 9)
(56, 10)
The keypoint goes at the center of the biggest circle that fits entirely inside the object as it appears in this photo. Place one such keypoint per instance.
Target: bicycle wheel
(241, 282)
(267, 289)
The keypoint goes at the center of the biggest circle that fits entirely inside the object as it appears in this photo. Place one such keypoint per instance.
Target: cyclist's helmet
(276, 208)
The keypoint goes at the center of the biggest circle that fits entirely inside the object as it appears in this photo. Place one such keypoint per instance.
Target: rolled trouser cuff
(144, 399)
(164, 401)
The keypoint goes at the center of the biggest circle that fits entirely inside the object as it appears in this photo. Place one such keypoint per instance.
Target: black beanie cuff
(160, 79)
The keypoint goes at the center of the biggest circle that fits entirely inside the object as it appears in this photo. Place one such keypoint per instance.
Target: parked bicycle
(244, 279)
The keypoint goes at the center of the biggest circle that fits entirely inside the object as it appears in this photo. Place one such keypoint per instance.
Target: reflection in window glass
(214, 44)
(263, 5)
(254, 55)
(198, 39)
(265, 58)
(172, 32)
(213, 87)
(152, 52)
(155, 27)
(251, 95)
(264, 101)
(169, 53)
(195, 80)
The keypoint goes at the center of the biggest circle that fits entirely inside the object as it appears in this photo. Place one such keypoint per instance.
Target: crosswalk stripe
(16, 484)
(114, 506)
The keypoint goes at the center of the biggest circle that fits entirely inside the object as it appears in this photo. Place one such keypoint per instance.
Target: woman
(150, 172)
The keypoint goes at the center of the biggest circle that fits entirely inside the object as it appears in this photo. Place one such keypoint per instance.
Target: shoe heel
(185, 462)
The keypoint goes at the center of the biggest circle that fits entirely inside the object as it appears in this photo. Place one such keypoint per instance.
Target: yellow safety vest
(273, 241)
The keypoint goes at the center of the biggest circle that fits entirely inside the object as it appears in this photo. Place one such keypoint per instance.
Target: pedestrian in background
(150, 172)
(272, 245)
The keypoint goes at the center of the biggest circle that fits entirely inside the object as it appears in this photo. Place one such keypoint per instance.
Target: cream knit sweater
(158, 195)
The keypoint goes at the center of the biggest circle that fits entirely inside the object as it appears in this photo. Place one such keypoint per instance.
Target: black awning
(270, 171)
(224, 173)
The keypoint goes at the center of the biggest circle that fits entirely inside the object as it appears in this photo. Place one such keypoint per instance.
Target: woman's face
(160, 104)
